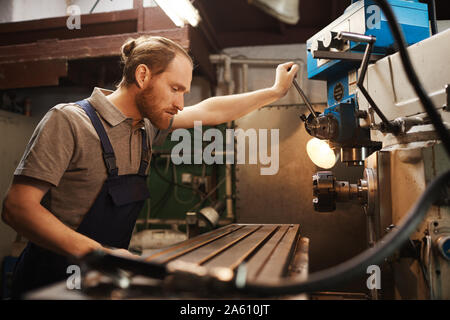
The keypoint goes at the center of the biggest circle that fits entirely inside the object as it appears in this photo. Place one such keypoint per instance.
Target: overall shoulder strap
(145, 159)
(108, 151)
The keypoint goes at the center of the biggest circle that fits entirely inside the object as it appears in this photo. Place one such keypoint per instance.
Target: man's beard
(146, 103)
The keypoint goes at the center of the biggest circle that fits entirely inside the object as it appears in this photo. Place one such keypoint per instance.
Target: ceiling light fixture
(180, 12)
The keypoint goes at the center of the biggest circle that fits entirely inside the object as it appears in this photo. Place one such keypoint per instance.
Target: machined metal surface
(387, 83)
(402, 171)
(354, 156)
(266, 249)
(323, 127)
(327, 191)
(200, 267)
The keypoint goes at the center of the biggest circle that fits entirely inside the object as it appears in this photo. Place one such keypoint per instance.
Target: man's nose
(179, 103)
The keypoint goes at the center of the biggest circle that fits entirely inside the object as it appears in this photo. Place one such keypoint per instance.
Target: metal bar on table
(213, 249)
(184, 247)
(240, 251)
(255, 247)
(278, 261)
(257, 262)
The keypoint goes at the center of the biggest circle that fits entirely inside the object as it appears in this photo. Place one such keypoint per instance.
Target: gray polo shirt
(65, 151)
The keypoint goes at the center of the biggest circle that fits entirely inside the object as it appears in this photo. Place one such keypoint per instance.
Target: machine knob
(443, 245)
(329, 40)
(317, 45)
(323, 190)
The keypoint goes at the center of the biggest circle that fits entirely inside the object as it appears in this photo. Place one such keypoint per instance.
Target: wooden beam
(60, 22)
(101, 35)
(156, 19)
(32, 74)
(101, 46)
(139, 5)
(98, 24)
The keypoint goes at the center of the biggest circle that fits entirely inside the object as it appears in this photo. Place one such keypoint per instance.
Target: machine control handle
(355, 37)
(305, 98)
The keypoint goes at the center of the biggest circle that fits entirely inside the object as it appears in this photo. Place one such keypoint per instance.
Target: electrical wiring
(208, 195)
(176, 195)
(432, 10)
(201, 194)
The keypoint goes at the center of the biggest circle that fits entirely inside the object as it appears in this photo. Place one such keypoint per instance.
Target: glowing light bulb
(321, 154)
(180, 12)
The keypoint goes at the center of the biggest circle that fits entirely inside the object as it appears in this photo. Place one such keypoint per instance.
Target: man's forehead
(180, 71)
(180, 61)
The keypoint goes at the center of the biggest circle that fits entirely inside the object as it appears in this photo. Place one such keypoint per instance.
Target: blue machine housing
(412, 17)
(344, 112)
(362, 15)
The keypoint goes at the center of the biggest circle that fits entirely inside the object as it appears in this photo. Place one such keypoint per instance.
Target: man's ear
(143, 75)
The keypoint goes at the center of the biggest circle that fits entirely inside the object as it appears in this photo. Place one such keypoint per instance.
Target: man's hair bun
(127, 48)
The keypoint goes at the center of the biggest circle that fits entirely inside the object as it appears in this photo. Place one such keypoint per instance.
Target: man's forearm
(228, 108)
(217, 110)
(41, 227)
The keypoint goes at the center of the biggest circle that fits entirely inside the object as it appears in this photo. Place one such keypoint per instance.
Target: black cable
(92, 9)
(343, 272)
(432, 15)
(174, 183)
(412, 76)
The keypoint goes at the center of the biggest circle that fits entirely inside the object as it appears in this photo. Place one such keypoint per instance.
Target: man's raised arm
(217, 110)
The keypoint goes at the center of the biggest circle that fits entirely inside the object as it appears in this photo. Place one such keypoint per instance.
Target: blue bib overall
(110, 220)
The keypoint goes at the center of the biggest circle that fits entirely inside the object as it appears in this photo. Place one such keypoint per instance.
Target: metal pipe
(228, 168)
(355, 37)
(220, 58)
(244, 78)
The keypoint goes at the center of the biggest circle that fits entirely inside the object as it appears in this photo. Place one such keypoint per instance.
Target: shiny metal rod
(355, 37)
(305, 98)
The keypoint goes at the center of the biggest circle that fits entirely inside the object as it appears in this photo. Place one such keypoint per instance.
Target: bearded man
(81, 182)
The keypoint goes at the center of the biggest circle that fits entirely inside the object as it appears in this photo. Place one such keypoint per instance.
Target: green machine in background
(191, 197)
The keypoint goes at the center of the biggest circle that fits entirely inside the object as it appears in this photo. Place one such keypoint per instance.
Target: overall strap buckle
(110, 162)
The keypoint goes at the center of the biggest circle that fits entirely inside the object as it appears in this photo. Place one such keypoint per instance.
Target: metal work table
(270, 252)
